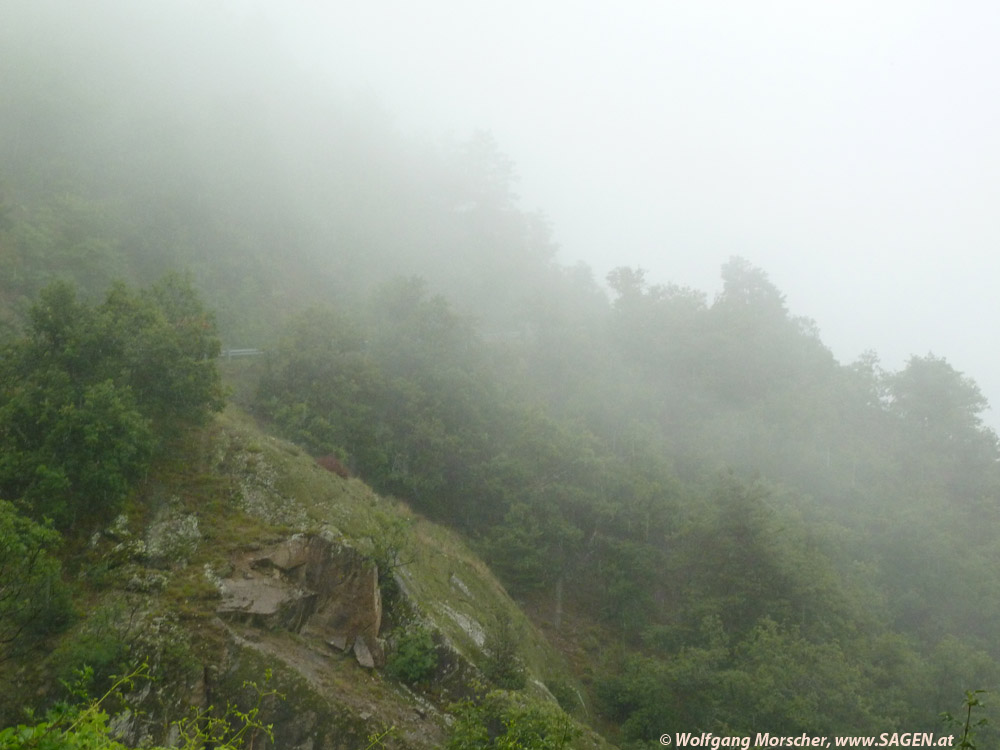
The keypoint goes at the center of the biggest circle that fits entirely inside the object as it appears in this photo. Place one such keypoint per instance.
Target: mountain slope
(199, 578)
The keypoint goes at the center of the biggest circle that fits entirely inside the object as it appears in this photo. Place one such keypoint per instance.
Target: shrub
(503, 667)
(565, 694)
(511, 721)
(415, 657)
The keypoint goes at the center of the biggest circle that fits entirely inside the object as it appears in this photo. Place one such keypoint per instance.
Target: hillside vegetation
(705, 522)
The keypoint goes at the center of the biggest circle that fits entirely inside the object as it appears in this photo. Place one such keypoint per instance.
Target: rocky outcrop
(310, 585)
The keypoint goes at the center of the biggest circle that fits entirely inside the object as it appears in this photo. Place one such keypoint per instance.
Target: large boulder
(310, 585)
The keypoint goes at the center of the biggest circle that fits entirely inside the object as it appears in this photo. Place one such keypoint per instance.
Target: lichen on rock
(173, 540)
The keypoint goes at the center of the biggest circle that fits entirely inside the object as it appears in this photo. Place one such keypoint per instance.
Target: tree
(33, 599)
(644, 695)
(789, 685)
(321, 385)
(939, 412)
(516, 549)
(502, 665)
(934, 398)
(83, 389)
(748, 289)
(166, 346)
(756, 349)
(71, 441)
(629, 284)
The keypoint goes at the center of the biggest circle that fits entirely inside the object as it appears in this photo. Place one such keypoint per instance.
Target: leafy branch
(966, 737)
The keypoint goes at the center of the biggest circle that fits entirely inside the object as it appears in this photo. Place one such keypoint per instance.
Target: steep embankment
(244, 558)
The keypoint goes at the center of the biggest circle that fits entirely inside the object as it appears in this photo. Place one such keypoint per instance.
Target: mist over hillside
(721, 525)
(843, 148)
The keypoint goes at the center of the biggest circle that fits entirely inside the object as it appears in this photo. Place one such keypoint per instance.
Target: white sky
(851, 149)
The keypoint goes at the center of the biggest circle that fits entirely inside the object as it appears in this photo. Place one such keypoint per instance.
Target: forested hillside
(721, 526)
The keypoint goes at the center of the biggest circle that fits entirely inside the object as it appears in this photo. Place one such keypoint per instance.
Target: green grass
(249, 490)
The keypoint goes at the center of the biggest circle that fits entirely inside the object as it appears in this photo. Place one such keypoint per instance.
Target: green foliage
(168, 347)
(503, 666)
(565, 694)
(517, 549)
(505, 394)
(392, 547)
(234, 728)
(509, 721)
(85, 390)
(794, 685)
(120, 634)
(398, 394)
(609, 508)
(414, 657)
(934, 397)
(59, 235)
(33, 599)
(644, 694)
(86, 726)
(71, 440)
(97, 647)
(391, 539)
(320, 386)
(942, 437)
(966, 728)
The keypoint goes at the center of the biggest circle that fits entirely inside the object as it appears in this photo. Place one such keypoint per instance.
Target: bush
(415, 657)
(565, 694)
(510, 721)
(503, 667)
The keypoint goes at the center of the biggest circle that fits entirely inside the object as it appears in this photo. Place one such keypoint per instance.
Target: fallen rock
(309, 585)
(363, 654)
(266, 603)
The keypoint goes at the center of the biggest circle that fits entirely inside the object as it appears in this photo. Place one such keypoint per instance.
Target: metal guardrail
(230, 353)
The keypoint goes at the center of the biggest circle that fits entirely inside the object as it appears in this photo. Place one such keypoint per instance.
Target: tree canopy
(88, 390)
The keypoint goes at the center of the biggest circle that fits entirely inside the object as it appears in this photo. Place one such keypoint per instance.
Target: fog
(849, 149)
(723, 524)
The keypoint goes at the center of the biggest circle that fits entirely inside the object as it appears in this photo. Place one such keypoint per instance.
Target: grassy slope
(147, 582)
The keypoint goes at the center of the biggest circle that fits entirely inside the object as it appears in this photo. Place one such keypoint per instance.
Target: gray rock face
(363, 654)
(267, 603)
(312, 586)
